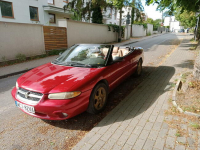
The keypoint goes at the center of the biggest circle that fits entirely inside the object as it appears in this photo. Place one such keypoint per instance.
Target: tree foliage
(83, 10)
(171, 5)
(76, 6)
(137, 8)
(97, 16)
(119, 4)
(187, 19)
(156, 23)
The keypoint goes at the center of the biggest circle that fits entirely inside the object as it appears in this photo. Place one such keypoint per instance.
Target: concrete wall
(127, 32)
(150, 28)
(138, 30)
(27, 39)
(82, 32)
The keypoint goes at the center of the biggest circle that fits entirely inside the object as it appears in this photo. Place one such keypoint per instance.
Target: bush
(3, 58)
(149, 34)
(20, 57)
(54, 52)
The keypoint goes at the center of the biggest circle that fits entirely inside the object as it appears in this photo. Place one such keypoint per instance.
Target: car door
(115, 73)
(120, 70)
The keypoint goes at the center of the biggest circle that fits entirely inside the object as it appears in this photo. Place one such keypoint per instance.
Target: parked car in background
(181, 31)
(80, 79)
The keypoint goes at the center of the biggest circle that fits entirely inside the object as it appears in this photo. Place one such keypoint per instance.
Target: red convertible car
(78, 80)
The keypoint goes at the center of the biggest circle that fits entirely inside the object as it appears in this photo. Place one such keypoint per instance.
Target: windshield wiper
(75, 64)
(80, 64)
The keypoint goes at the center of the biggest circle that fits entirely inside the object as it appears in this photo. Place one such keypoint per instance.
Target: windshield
(84, 55)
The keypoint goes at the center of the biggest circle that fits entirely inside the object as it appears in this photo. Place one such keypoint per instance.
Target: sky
(151, 11)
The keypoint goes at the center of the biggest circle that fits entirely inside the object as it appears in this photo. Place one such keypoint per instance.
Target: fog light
(65, 115)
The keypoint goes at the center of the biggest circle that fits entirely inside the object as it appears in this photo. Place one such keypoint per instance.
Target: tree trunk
(120, 24)
(196, 30)
(132, 19)
(196, 71)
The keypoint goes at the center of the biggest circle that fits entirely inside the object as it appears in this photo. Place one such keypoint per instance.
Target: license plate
(24, 107)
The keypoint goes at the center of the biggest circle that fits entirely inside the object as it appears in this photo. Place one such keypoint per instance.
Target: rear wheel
(138, 71)
(98, 99)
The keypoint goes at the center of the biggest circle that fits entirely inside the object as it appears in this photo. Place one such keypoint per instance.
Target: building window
(6, 9)
(52, 18)
(34, 13)
(51, 1)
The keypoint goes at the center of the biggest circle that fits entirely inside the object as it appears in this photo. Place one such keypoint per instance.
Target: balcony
(56, 10)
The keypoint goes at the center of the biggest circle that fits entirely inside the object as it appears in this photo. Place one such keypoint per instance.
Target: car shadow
(86, 121)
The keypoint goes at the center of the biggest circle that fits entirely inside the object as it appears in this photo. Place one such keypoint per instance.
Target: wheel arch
(103, 81)
(141, 59)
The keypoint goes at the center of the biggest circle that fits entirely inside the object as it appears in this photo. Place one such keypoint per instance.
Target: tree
(119, 4)
(137, 7)
(75, 6)
(187, 19)
(180, 5)
(171, 5)
(97, 7)
(83, 10)
(183, 6)
(97, 16)
(156, 23)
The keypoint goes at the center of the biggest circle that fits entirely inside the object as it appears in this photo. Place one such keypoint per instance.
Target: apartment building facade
(50, 12)
(174, 25)
(45, 12)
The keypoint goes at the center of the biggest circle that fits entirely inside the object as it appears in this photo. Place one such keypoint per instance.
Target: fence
(55, 37)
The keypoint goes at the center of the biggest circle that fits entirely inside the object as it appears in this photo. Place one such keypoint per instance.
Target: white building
(49, 12)
(173, 23)
(46, 12)
(111, 16)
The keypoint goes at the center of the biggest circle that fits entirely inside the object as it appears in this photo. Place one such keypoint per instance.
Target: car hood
(47, 77)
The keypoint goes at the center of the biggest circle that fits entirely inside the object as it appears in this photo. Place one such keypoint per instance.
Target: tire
(98, 101)
(138, 71)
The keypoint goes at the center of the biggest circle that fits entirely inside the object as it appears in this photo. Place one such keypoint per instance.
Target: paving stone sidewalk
(138, 121)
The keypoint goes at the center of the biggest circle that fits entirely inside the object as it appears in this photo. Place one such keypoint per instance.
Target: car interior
(117, 51)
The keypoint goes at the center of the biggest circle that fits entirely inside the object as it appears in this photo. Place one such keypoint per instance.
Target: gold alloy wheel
(99, 98)
(139, 68)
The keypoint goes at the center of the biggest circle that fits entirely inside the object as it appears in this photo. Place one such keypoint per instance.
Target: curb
(177, 88)
(130, 43)
(14, 73)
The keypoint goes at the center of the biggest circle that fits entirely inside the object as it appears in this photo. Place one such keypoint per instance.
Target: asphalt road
(21, 131)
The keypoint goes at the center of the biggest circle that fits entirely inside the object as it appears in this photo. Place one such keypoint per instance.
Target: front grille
(29, 97)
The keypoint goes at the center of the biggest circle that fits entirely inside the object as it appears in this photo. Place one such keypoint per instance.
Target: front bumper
(53, 109)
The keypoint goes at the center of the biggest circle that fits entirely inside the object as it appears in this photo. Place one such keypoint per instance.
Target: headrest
(115, 49)
(105, 51)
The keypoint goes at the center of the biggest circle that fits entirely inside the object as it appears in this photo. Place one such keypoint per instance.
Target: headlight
(17, 86)
(64, 95)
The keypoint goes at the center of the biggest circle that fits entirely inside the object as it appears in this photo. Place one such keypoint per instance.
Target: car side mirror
(118, 59)
(60, 53)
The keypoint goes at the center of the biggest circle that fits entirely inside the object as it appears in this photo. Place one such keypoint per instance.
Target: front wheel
(98, 99)
(138, 71)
